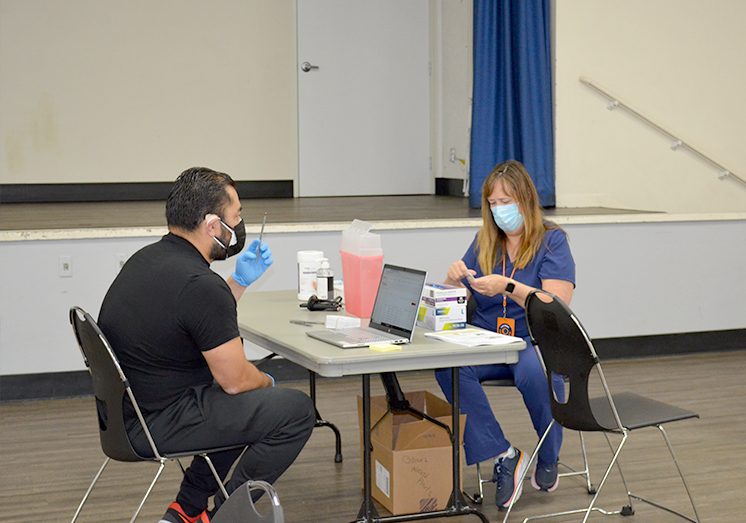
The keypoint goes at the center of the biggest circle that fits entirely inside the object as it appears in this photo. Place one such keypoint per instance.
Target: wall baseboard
(670, 344)
(126, 192)
(449, 187)
(53, 385)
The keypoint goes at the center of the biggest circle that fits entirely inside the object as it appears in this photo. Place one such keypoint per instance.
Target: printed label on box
(383, 479)
(441, 318)
(442, 290)
(443, 302)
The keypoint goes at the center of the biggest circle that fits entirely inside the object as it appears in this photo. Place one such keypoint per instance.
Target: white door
(364, 106)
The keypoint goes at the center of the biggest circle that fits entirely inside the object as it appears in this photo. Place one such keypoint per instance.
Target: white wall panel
(633, 279)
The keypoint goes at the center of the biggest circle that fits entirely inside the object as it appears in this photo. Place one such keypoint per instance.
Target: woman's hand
(490, 285)
(457, 272)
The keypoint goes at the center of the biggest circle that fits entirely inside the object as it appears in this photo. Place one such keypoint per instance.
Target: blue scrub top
(553, 261)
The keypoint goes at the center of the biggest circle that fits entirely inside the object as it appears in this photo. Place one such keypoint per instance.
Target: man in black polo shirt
(172, 323)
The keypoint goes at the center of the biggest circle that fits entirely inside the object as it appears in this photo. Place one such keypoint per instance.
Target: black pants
(273, 423)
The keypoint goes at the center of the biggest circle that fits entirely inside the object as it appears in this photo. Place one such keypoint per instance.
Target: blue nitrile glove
(248, 268)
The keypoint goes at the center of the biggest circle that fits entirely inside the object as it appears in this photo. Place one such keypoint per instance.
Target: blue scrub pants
(483, 437)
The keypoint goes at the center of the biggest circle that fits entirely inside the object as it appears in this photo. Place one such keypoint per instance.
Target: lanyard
(505, 298)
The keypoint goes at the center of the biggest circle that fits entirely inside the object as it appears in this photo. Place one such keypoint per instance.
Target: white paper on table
(472, 337)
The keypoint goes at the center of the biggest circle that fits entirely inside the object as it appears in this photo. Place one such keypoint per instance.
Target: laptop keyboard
(362, 335)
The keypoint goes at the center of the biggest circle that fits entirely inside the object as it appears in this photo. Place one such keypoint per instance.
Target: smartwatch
(510, 287)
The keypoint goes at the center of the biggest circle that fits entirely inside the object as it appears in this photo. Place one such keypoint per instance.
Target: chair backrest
(109, 386)
(565, 349)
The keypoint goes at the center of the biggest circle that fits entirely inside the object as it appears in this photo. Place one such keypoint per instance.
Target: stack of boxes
(443, 307)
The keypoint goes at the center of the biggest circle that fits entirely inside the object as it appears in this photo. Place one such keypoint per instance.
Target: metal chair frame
(109, 387)
(478, 496)
(564, 348)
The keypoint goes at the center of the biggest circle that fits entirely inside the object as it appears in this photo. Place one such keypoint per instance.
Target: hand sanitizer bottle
(324, 281)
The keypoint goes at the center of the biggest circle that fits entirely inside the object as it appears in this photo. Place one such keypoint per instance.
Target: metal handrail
(677, 142)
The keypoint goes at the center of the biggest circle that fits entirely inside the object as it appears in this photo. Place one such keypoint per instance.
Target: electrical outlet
(66, 266)
(121, 259)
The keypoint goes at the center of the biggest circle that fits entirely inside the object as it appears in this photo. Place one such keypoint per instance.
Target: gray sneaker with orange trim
(508, 475)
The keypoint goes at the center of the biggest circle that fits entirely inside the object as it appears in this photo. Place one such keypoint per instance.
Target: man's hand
(248, 268)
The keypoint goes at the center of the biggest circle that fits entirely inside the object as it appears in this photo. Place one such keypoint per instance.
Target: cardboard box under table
(411, 460)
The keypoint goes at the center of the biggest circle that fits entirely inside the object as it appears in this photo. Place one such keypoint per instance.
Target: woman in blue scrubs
(515, 251)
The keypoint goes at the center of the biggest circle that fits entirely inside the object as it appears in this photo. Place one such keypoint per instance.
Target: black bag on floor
(239, 507)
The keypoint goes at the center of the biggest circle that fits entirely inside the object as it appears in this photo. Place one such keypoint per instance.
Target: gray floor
(43, 216)
(50, 452)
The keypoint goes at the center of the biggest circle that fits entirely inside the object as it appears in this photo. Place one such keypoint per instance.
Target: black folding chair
(565, 349)
(110, 387)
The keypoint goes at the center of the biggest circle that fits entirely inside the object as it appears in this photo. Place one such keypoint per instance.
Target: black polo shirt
(163, 310)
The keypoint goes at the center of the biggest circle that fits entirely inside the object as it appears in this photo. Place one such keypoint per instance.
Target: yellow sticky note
(385, 347)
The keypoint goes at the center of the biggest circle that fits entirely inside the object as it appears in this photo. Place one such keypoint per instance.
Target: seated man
(172, 323)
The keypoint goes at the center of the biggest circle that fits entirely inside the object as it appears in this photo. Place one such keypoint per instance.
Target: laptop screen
(398, 299)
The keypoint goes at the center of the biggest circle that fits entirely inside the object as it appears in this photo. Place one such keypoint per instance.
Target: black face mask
(240, 231)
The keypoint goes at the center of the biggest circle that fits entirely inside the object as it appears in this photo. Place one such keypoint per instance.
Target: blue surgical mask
(507, 217)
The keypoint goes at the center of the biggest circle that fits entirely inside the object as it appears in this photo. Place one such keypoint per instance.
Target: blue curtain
(512, 107)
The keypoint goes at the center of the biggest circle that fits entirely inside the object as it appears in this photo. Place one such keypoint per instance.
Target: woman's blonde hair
(491, 240)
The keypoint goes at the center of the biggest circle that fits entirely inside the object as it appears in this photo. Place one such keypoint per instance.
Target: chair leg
(681, 473)
(152, 484)
(215, 473)
(588, 483)
(213, 470)
(683, 480)
(478, 497)
(90, 488)
(585, 472)
(150, 488)
(606, 475)
(629, 509)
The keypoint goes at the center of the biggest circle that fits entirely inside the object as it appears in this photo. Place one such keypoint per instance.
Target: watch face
(509, 287)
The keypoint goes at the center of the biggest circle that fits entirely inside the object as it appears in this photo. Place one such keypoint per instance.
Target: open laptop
(394, 312)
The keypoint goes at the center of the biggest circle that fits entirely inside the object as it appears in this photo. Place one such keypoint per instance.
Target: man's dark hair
(197, 192)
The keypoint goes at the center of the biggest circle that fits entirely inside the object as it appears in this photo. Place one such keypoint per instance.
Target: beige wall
(451, 57)
(136, 90)
(679, 61)
(96, 91)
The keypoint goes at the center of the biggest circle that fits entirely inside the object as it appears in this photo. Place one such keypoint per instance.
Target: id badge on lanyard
(506, 325)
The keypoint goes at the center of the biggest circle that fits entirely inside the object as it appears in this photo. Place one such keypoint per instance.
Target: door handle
(305, 67)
